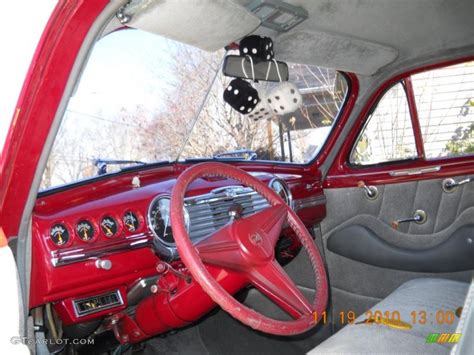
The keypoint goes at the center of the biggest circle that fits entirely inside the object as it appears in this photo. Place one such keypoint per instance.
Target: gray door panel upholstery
(355, 285)
(362, 244)
(397, 201)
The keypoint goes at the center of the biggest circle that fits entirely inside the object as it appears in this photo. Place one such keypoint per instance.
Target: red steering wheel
(247, 245)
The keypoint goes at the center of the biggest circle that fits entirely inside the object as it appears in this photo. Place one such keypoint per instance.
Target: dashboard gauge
(108, 226)
(59, 234)
(281, 188)
(85, 230)
(131, 221)
(159, 219)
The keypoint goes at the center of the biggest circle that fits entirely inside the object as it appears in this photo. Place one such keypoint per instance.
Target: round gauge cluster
(109, 226)
(59, 234)
(159, 219)
(85, 230)
(131, 221)
(282, 189)
(88, 231)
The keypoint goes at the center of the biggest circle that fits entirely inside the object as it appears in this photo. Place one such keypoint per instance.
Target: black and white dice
(241, 96)
(263, 110)
(258, 47)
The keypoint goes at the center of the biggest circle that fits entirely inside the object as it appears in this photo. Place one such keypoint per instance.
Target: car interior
(257, 177)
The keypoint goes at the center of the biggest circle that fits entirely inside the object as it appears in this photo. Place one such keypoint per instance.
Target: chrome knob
(103, 264)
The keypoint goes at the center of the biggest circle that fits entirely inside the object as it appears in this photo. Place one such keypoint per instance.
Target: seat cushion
(425, 294)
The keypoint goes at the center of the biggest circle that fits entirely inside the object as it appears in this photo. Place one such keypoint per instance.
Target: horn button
(255, 244)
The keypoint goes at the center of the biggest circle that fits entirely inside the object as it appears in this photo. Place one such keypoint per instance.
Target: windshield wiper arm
(246, 154)
(102, 164)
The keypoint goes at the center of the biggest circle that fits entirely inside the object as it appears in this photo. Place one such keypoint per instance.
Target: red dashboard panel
(93, 260)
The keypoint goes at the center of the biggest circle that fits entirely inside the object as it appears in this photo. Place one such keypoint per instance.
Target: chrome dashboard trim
(67, 256)
(148, 218)
(287, 190)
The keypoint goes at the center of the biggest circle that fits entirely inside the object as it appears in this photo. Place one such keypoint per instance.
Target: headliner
(414, 29)
(361, 36)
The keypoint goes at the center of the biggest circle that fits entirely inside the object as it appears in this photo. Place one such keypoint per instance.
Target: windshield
(143, 98)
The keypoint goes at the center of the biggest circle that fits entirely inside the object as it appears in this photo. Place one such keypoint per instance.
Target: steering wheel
(247, 246)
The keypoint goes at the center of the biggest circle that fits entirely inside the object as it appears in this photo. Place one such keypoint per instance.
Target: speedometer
(159, 219)
(282, 189)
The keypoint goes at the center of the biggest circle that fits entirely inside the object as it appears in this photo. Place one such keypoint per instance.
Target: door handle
(450, 184)
(419, 217)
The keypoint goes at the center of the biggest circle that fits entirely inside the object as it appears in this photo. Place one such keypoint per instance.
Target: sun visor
(334, 51)
(206, 24)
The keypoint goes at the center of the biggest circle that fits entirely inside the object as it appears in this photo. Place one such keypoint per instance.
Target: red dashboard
(94, 244)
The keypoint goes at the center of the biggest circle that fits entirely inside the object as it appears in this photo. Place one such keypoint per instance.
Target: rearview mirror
(241, 67)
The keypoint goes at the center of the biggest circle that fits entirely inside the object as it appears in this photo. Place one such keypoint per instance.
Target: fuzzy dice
(284, 98)
(263, 110)
(258, 47)
(241, 96)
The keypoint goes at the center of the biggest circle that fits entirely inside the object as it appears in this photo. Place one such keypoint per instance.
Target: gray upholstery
(335, 51)
(358, 286)
(406, 26)
(466, 325)
(206, 24)
(426, 294)
(444, 210)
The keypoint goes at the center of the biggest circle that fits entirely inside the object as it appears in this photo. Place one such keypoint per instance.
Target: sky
(20, 31)
(19, 50)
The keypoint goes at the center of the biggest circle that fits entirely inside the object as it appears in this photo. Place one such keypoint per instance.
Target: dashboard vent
(208, 213)
(98, 303)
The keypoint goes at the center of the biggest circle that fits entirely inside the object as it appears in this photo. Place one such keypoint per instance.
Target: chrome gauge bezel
(149, 219)
(285, 187)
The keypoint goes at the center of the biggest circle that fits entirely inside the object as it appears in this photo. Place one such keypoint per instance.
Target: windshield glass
(143, 98)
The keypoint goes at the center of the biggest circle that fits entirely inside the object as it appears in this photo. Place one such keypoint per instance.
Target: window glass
(445, 104)
(143, 98)
(388, 134)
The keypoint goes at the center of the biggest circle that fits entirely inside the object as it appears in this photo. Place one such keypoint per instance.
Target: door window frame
(344, 174)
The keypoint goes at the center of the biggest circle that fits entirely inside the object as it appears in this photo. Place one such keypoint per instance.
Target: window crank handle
(371, 192)
(419, 217)
(449, 184)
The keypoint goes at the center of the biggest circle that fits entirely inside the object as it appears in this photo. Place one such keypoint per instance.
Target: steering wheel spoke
(271, 280)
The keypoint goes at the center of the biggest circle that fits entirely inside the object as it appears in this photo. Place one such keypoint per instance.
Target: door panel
(362, 275)
(359, 243)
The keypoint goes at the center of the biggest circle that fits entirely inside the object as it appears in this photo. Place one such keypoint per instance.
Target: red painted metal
(342, 174)
(247, 247)
(38, 103)
(115, 196)
(36, 108)
(420, 148)
(353, 81)
(165, 310)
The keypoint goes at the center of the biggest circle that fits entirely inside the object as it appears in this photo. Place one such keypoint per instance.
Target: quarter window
(388, 134)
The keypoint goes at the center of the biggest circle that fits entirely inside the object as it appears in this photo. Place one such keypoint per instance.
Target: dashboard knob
(103, 264)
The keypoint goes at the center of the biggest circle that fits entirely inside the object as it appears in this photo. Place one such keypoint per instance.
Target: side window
(445, 104)
(388, 134)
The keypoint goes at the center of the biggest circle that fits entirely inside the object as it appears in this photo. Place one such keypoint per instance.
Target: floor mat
(186, 341)
(220, 334)
(223, 335)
